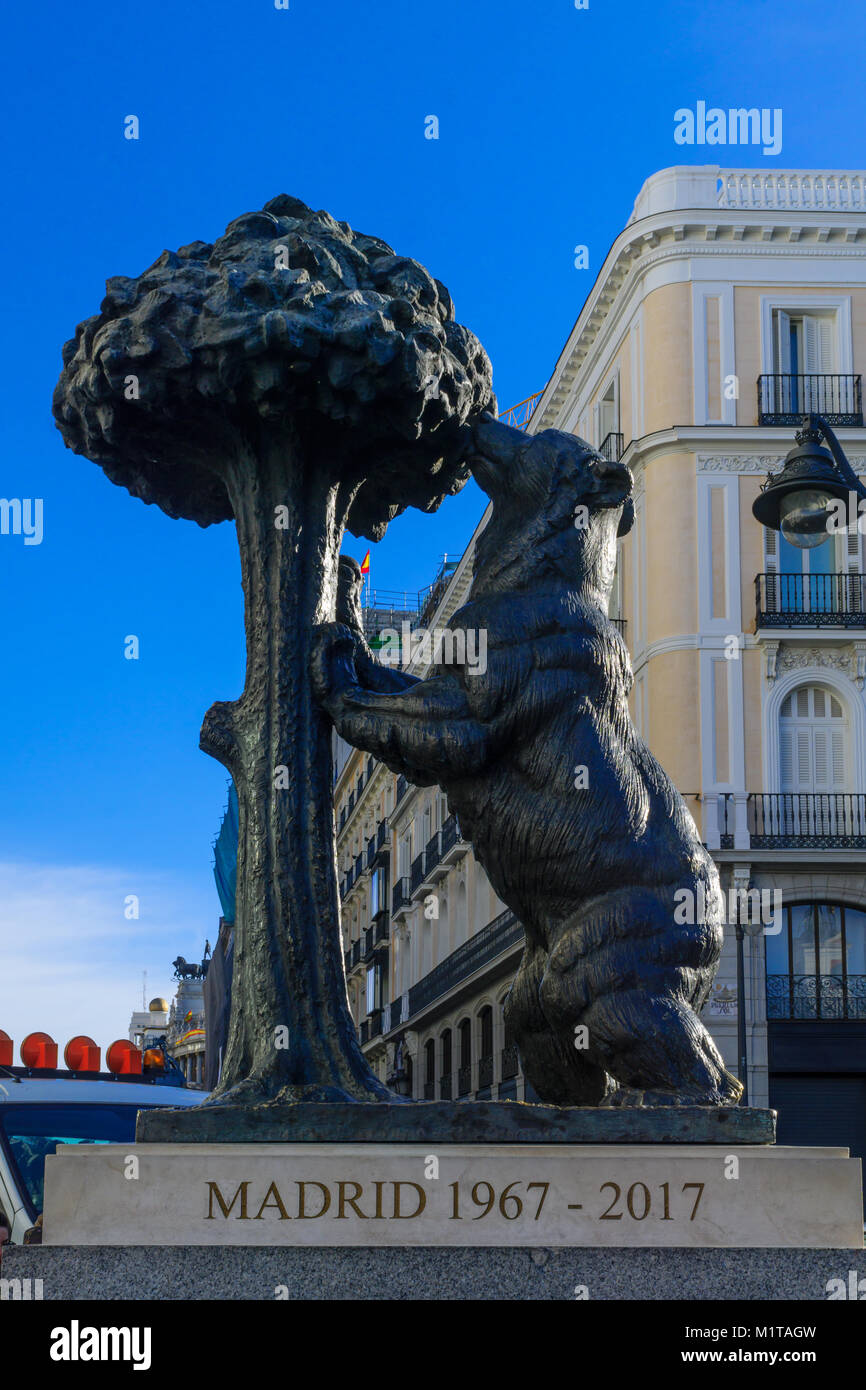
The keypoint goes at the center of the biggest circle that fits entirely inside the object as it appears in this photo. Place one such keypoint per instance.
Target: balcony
(783, 399)
(400, 896)
(356, 953)
(396, 1012)
(416, 874)
(347, 956)
(509, 1061)
(376, 1024)
(445, 1087)
(798, 820)
(816, 997)
(359, 865)
(810, 600)
(380, 930)
(498, 936)
(348, 880)
(371, 852)
(433, 866)
(429, 1090)
(364, 1032)
(485, 1072)
(464, 1080)
(611, 447)
(402, 789)
(367, 938)
(452, 846)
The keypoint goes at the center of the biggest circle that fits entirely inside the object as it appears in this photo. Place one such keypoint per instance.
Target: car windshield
(29, 1132)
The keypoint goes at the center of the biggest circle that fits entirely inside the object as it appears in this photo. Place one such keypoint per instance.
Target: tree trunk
(290, 1033)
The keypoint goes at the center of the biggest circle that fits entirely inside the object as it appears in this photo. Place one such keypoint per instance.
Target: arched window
(429, 1069)
(485, 1059)
(445, 1065)
(464, 1074)
(813, 741)
(816, 965)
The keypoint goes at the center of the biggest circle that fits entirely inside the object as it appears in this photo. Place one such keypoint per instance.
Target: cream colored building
(732, 302)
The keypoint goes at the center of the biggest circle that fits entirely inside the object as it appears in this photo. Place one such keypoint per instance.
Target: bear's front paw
(332, 663)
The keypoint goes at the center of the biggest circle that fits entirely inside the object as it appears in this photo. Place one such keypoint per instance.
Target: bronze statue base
(456, 1122)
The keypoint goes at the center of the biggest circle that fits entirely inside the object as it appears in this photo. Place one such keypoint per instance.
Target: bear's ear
(626, 521)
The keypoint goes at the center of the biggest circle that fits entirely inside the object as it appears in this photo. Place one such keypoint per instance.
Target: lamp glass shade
(804, 516)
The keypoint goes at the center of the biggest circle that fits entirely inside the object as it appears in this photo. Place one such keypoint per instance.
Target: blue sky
(550, 118)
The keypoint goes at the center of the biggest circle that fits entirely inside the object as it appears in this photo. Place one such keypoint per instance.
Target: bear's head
(558, 507)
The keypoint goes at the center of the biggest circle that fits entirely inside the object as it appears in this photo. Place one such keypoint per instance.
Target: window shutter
(786, 743)
(838, 741)
(821, 769)
(804, 760)
(817, 344)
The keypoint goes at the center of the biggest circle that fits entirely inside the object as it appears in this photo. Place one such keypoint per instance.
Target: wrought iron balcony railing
(381, 833)
(485, 1072)
(798, 820)
(396, 1011)
(498, 936)
(376, 1024)
(367, 939)
(464, 1080)
(445, 1086)
(400, 895)
(810, 600)
(359, 865)
(816, 997)
(510, 1061)
(364, 1031)
(356, 952)
(783, 398)
(611, 447)
(416, 873)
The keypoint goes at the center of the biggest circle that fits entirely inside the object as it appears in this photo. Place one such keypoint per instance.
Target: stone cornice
(636, 251)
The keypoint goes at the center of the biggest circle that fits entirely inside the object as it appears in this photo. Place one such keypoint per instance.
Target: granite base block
(143, 1273)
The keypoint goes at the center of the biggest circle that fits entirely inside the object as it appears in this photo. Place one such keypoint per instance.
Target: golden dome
(158, 1006)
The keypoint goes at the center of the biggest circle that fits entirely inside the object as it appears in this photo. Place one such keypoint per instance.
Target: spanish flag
(365, 564)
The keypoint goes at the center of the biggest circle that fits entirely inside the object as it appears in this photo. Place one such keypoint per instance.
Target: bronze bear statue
(578, 828)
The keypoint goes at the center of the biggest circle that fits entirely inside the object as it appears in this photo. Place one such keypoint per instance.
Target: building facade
(733, 302)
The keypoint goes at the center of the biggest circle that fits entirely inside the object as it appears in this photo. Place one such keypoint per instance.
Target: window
(485, 1019)
(446, 1052)
(812, 741)
(816, 965)
(378, 895)
(372, 989)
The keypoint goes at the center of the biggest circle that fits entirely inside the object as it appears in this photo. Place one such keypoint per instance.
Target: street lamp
(798, 500)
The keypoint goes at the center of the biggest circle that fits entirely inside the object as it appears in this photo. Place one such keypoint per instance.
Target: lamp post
(799, 499)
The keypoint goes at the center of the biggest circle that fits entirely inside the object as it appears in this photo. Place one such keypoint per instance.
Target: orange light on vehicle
(5, 1049)
(153, 1060)
(123, 1058)
(81, 1054)
(39, 1051)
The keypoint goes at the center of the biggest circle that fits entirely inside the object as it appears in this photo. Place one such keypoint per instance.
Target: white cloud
(71, 962)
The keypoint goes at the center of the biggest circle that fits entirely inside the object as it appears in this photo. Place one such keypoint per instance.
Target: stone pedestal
(504, 1195)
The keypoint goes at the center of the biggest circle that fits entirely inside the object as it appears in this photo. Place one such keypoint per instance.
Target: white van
(39, 1112)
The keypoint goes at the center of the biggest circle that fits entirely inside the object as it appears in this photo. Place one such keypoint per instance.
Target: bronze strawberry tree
(301, 378)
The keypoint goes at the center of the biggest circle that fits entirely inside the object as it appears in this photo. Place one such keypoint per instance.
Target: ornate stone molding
(759, 463)
(850, 660)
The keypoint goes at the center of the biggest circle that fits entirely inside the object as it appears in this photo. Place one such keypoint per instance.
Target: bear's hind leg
(559, 1073)
(659, 1051)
